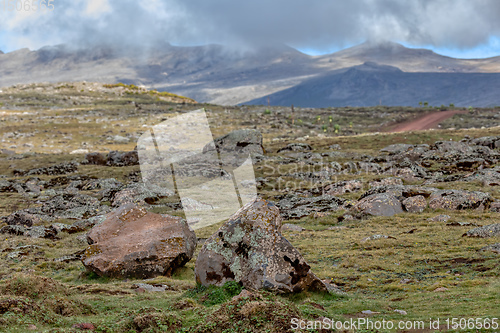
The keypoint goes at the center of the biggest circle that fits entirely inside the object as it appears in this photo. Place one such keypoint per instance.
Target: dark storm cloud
(300, 23)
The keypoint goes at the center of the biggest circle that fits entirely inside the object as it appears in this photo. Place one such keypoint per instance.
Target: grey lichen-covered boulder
(488, 177)
(380, 204)
(250, 249)
(487, 141)
(296, 147)
(396, 148)
(68, 206)
(459, 199)
(248, 141)
(23, 218)
(295, 207)
(401, 191)
(95, 158)
(120, 158)
(132, 242)
(39, 231)
(415, 204)
(492, 230)
(343, 187)
(493, 248)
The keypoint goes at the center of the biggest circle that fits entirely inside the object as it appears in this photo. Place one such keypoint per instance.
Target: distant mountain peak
(378, 49)
(373, 66)
(1, 52)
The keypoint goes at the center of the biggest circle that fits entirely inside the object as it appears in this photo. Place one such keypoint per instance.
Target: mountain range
(367, 74)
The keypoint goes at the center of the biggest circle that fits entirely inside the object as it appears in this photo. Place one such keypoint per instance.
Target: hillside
(373, 84)
(216, 74)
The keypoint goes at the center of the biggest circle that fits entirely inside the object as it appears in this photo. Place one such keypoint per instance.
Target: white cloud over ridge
(303, 24)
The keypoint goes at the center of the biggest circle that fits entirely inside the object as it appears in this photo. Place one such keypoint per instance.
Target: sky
(458, 28)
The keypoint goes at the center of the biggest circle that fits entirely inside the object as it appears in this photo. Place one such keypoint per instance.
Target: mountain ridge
(216, 74)
(373, 84)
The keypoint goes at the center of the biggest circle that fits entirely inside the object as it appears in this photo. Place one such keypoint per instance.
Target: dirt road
(425, 122)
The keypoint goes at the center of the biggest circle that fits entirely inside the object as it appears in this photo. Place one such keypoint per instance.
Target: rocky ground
(394, 226)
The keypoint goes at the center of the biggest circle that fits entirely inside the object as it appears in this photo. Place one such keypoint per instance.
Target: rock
(495, 207)
(292, 227)
(58, 169)
(401, 312)
(296, 147)
(32, 186)
(84, 326)
(70, 206)
(381, 204)
(386, 181)
(439, 218)
(84, 225)
(20, 251)
(396, 148)
(369, 167)
(370, 312)
(41, 232)
(488, 177)
(100, 184)
(462, 224)
(493, 248)
(71, 257)
(295, 207)
(374, 237)
(244, 141)
(401, 191)
(415, 204)
(7, 152)
(246, 294)
(337, 227)
(459, 200)
(139, 194)
(22, 218)
(453, 148)
(339, 188)
(440, 289)
(119, 159)
(335, 147)
(34, 232)
(319, 215)
(491, 142)
(412, 168)
(17, 230)
(95, 158)
(149, 287)
(469, 164)
(132, 242)
(120, 139)
(250, 250)
(79, 226)
(6, 186)
(79, 151)
(492, 230)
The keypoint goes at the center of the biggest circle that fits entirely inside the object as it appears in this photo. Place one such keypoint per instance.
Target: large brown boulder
(250, 249)
(132, 242)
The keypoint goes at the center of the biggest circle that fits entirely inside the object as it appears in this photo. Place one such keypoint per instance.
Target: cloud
(303, 24)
